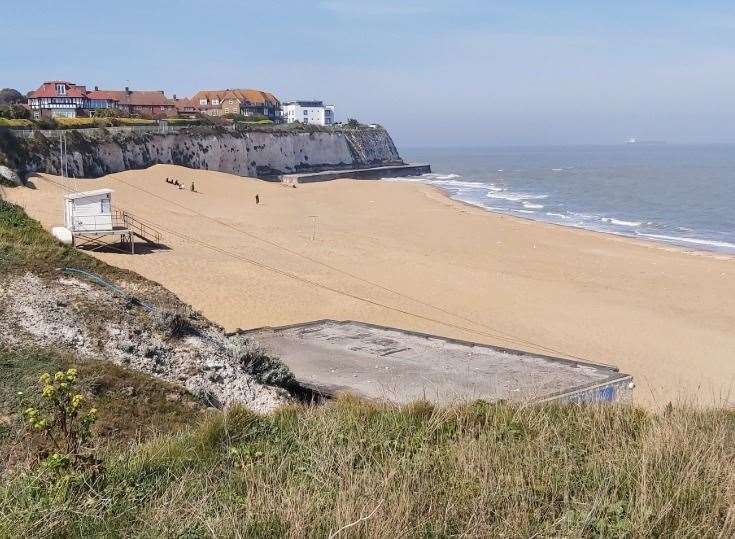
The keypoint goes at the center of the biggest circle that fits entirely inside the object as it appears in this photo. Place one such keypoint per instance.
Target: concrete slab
(401, 366)
(371, 173)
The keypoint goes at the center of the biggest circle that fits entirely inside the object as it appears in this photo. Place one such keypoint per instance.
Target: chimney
(174, 97)
(127, 89)
(96, 88)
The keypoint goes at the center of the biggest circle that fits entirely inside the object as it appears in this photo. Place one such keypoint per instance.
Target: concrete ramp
(400, 366)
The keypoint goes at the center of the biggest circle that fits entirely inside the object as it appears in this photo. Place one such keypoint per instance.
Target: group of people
(177, 184)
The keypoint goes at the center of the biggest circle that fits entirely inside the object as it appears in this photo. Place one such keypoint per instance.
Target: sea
(675, 194)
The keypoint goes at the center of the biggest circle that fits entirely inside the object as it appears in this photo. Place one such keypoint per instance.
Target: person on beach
(193, 189)
(257, 199)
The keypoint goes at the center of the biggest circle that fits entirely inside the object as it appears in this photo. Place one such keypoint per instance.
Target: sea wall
(246, 153)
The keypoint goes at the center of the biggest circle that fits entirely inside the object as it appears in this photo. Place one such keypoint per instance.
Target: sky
(435, 73)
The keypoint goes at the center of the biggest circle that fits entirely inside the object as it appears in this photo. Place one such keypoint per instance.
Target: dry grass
(478, 470)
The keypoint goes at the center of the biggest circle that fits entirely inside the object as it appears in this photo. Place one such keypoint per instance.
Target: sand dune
(405, 255)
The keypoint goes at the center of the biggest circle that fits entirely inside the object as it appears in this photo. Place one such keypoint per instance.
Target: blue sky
(436, 73)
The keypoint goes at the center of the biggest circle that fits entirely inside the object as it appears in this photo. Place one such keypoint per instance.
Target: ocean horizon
(677, 194)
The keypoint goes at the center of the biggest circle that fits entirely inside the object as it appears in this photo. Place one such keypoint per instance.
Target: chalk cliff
(253, 152)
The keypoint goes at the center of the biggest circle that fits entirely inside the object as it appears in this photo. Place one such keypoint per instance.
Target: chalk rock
(10, 175)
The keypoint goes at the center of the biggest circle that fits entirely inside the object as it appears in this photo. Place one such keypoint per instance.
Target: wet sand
(405, 255)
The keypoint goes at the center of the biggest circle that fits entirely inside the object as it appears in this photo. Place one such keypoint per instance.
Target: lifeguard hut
(90, 218)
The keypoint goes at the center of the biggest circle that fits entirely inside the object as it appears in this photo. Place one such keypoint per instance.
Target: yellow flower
(45, 379)
(48, 391)
(76, 401)
(59, 376)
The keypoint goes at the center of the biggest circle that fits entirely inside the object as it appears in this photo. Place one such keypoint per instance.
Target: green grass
(132, 406)
(16, 123)
(26, 246)
(479, 470)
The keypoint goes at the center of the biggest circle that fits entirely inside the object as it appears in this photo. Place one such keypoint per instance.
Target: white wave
(447, 176)
(496, 188)
(694, 241)
(620, 222)
(515, 197)
(553, 214)
(556, 169)
(523, 211)
(532, 206)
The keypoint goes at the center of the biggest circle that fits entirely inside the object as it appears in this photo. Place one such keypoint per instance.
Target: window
(215, 101)
(306, 113)
(61, 89)
(202, 101)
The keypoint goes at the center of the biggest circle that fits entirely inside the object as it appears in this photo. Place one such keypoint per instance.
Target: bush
(9, 96)
(134, 121)
(184, 121)
(173, 323)
(255, 361)
(47, 123)
(111, 113)
(64, 420)
(14, 112)
(77, 123)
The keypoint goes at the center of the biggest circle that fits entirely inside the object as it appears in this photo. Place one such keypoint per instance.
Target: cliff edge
(258, 152)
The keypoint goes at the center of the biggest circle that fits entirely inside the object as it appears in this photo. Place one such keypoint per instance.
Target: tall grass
(358, 469)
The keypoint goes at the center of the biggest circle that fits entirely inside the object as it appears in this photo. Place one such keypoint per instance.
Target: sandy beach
(405, 255)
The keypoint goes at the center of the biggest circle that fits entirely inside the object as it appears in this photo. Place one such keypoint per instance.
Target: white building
(308, 112)
(89, 211)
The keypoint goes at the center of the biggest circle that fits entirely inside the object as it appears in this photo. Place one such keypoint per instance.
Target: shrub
(77, 123)
(134, 121)
(10, 96)
(173, 323)
(47, 123)
(184, 121)
(256, 362)
(111, 113)
(14, 112)
(64, 420)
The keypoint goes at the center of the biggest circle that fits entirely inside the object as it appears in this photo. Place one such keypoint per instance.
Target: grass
(16, 123)
(132, 406)
(485, 470)
(26, 246)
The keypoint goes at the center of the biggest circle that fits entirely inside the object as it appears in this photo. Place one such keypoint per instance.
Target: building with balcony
(308, 112)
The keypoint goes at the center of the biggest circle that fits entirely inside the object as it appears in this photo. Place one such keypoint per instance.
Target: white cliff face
(244, 154)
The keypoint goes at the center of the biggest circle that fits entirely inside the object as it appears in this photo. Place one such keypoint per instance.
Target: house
(100, 99)
(145, 103)
(308, 112)
(62, 99)
(209, 102)
(57, 99)
(246, 102)
(185, 106)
